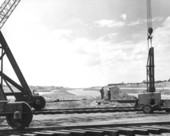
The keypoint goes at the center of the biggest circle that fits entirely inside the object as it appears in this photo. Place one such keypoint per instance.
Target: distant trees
(136, 83)
(157, 81)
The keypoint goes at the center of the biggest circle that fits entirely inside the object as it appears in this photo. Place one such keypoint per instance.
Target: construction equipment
(19, 113)
(151, 100)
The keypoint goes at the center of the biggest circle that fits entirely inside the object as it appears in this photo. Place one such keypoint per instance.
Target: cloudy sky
(82, 43)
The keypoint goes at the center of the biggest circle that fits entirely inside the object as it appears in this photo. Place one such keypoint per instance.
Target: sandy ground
(81, 92)
(94, 119)
(87, 119)
(98, 118)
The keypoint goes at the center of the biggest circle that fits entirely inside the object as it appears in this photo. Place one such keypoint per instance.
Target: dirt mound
(116, 93)
(57, 94)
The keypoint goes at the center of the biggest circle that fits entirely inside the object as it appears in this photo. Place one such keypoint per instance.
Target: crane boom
(6, 10)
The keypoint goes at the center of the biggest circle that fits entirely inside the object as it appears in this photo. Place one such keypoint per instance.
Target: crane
(19, 113)
(6, 10)
(150, 80)
(151, 100)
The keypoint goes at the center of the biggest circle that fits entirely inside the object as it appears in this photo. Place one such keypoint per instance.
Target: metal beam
(26, 90)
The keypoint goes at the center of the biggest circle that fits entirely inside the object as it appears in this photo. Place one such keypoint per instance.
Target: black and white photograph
(84, 68)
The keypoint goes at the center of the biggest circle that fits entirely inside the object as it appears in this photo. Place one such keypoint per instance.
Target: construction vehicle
(151, 100)
(18, 113)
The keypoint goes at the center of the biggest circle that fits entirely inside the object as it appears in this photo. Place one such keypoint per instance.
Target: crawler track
(133, 129)
(86, 110)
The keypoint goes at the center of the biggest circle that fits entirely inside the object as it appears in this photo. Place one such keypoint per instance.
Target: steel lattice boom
(6, 9)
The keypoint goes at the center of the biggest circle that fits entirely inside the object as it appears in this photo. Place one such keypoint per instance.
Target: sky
(83, 43)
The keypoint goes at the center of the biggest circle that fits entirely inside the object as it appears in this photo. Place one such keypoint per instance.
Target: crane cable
(149, 23)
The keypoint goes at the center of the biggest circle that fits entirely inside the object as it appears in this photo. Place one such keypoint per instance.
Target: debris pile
(114, 93)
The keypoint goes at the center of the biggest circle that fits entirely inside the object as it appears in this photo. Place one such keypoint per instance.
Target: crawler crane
(19, 113)
(151, 100)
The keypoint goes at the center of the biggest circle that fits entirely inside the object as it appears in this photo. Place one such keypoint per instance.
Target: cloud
(109, 23)
(115, 23)
(109, 37)
(48, 56)
(124, 17)
(162, 33)
(143, 21)
(79, 62)
(61, 33)
(134, 23)
(161, 42)
(157, 19)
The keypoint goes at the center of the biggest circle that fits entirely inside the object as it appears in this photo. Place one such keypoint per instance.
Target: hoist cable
(149, 14)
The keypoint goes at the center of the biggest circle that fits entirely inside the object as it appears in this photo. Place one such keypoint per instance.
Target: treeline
(143, 82)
